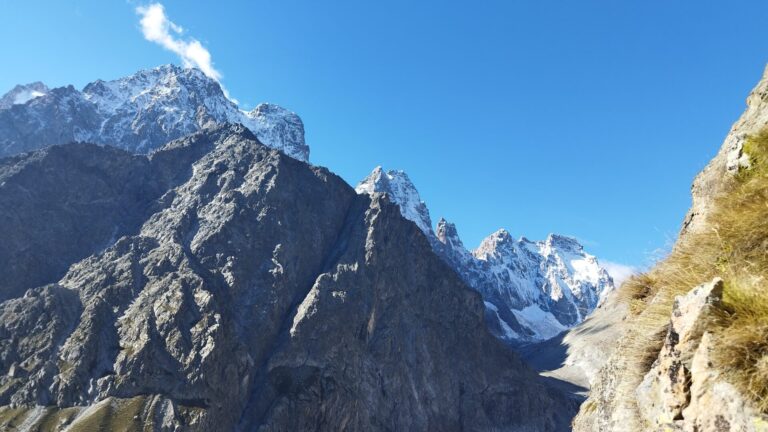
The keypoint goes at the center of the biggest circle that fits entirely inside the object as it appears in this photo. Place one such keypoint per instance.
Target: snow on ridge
(145, 110)
(26, 96)
(402, 192)
(533, 290)
(21, 94)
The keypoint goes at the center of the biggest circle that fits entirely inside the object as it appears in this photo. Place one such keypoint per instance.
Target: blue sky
(586, 118)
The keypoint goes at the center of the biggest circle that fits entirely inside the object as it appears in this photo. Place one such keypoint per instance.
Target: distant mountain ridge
(532, 290)
(138, 113)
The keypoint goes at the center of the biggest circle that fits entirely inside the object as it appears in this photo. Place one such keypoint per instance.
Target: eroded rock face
(681, 391)
(256, 293)
(665, 390)
(715, 404)
(712, 179)
(673, 395)
(60, 205)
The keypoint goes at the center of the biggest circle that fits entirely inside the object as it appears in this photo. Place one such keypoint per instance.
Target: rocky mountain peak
(491, 245)
(532, 290)
(278, 128)
(401, 190)
(140, 113)
(22, 94)
(447, 234)
(563, 242)
(166, 85)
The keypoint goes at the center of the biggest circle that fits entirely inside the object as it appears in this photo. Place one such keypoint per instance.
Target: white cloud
(619, 272)
(157, 28)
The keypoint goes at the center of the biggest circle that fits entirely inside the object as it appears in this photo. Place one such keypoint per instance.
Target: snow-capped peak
(494, 242)
(141, 112)
(164, 85)
(22, 94)
(563, 242)
(532, 290)
(278, 128)
(402, 192)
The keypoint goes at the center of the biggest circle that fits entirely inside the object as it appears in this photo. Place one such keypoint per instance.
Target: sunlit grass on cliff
(734, 246)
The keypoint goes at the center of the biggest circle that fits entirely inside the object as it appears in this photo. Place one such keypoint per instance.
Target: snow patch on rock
(532, 290)
(139, 113)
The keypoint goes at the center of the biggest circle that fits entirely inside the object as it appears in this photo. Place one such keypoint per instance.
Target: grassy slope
(733, 247)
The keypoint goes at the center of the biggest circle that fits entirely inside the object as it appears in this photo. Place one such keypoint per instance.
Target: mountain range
(174, 262)
(243, 290)
(532, 290)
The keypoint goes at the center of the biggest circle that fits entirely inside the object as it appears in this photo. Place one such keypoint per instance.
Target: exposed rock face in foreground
(665, 378)
(250, 291)
(532, 290)
(711, 180)
(681, 391)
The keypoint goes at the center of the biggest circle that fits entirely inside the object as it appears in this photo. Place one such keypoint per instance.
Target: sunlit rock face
(138, 113)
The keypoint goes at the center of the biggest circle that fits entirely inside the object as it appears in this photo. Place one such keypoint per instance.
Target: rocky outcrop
(714, 403)
(138, 113)
(665, 390)
(256, 293)
(661, 377)
(711, 181)
(681, 391)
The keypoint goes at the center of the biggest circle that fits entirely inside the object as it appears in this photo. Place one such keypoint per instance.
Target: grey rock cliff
(247, 291)
(711, 180)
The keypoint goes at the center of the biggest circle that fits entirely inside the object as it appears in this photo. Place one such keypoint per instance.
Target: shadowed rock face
(242, 290)
(60, 205)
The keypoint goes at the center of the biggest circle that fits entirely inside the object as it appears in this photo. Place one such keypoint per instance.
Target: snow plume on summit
(157, 28)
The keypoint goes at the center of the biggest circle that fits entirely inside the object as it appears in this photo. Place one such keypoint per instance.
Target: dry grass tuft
(735, 248)
(743, 340)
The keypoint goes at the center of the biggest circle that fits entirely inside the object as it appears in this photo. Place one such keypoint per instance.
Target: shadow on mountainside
(548, 359)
